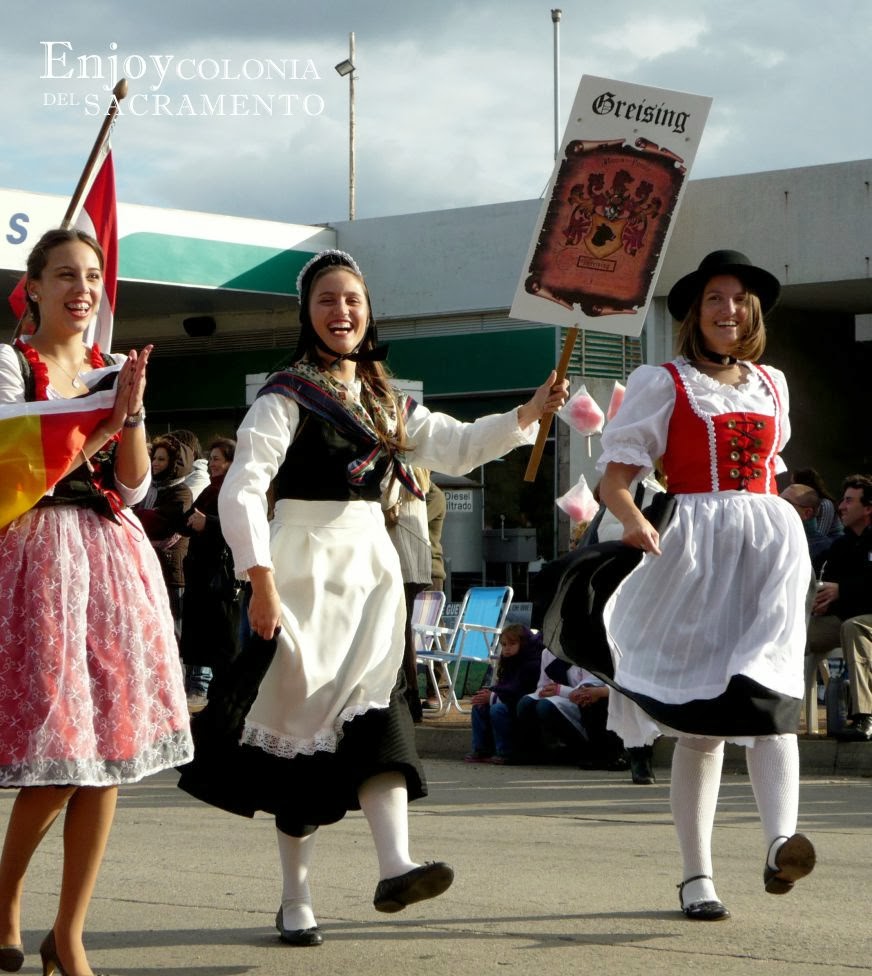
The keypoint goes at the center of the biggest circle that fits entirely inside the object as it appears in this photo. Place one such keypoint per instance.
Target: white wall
(808, 226)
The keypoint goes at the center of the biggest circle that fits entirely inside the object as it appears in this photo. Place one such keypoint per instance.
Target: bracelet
(135, 419)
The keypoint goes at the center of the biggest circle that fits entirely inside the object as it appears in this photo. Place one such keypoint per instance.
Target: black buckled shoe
(707, 910)
(298, 937)
(11, 958)
(795, 859)
(426, 881)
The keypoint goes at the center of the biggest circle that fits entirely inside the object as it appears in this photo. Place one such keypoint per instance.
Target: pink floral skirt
(91, 687)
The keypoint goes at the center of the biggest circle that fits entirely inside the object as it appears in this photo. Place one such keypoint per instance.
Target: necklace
(73, 377)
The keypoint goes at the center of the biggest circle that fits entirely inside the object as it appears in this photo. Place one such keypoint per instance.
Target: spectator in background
(806, 501)
(209, 622)
(826, 515)
(436, 508)
(846, 594)
(162, 514)
(549, 712)
(435, 520)
(198, 478)
(406, 520)
(494, 708)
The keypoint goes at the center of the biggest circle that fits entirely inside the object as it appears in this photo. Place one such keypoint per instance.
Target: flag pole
(545, 422)
(119, 92)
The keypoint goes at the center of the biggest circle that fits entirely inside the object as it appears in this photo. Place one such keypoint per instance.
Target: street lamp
(346, 69)
(556, 13)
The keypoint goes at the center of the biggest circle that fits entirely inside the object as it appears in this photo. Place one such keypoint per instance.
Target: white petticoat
(91, 686)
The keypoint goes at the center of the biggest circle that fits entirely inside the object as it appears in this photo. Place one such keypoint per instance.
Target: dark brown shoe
(426, 881)
(795, 859)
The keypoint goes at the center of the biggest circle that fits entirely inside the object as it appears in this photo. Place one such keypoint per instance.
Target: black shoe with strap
(706, 910)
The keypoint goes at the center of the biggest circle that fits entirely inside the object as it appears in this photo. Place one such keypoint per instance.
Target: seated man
(846, 595)
(549, 712)
(806, 501)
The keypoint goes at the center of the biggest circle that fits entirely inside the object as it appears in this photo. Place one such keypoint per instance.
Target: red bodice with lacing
(723, 452)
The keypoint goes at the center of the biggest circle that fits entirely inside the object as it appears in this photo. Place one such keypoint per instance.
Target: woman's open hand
(130, 386)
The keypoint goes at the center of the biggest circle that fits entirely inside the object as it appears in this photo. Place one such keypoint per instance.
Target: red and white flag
(98, 217)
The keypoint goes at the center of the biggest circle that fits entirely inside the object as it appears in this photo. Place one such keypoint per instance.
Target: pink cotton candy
(575, 510)
(616, 400)
(579, 503)
(584, 414)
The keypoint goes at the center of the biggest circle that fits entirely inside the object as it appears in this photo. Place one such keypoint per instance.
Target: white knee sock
(693, 795)
(773, 765)
(385, 804)
(295, 854)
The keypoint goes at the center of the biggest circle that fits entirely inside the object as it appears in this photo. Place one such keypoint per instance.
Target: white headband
(330, 252)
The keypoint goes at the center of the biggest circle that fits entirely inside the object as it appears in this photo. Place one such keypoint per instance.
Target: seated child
(493, 712)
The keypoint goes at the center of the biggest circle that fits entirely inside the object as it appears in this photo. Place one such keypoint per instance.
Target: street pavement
(558, 872)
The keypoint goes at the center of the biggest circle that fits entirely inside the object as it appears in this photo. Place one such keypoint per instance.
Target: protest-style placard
(610, 207)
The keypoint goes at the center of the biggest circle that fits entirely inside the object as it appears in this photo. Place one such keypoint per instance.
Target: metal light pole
(556, 14)
(555, 18)
(346, 68)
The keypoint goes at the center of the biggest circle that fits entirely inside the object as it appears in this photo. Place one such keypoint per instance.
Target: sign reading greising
(458, 501)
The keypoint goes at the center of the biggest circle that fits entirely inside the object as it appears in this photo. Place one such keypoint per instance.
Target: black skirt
(306, 790)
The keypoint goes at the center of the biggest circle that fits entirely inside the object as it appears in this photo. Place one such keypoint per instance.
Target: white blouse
(637, 434)
(440, 443)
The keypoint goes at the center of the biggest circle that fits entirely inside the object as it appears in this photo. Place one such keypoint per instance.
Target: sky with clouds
(455, 101)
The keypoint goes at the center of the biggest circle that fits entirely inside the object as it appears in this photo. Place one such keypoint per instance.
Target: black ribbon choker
(716, 357)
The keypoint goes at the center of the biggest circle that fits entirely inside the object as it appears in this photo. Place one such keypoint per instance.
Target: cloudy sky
(455, 100)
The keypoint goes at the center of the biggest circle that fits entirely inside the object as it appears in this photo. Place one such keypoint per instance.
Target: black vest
(315, 467)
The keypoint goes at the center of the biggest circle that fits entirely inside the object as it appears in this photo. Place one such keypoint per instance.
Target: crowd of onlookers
(180, 517)
(839, 533)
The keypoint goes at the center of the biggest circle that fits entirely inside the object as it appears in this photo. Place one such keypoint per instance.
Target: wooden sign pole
(545, 422)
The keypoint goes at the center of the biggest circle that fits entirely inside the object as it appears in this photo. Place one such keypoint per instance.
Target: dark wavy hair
(530, 643)
(38, 258)
(225, 445)
(373, 375)
(859, 482)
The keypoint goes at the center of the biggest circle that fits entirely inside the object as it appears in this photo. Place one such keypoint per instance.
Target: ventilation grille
(608, 356)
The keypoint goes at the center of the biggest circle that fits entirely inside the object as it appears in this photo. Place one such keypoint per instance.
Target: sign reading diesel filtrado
(237, 86)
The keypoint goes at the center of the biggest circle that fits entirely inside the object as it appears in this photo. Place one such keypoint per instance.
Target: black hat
(686, 290)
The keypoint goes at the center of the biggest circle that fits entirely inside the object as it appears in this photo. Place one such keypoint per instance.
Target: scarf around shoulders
(321, 394)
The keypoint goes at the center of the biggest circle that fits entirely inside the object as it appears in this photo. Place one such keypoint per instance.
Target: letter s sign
(17, 223)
